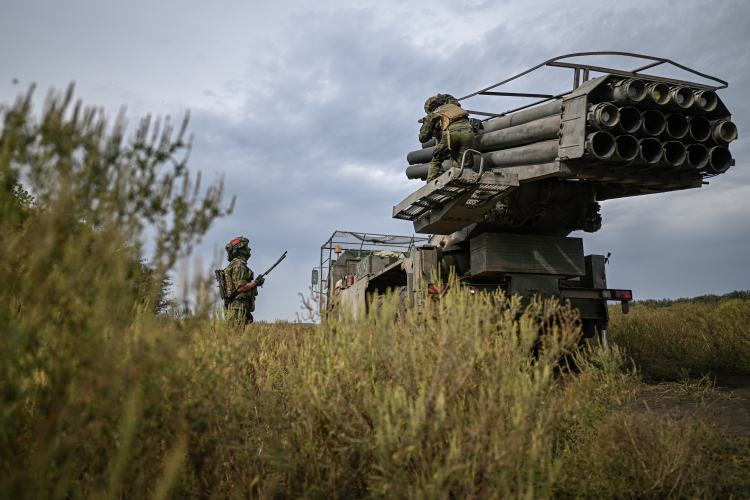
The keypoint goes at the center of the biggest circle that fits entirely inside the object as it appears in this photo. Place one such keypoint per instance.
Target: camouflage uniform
(238, 275)
(458, 138)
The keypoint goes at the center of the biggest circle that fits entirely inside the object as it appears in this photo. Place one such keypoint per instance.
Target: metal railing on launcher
(349, 240)
(585, 70)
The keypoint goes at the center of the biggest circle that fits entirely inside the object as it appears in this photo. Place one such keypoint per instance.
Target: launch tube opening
(677, 126)
(683, 98)
(697, 156)
(601, 145)
(674, 153)
(706, 100)
(720, 159)
(604, 116)
(626, 147)
(700, 129)
(630, 91)
(723, 132)
(658, 94)
(651, 150)
(653, 123)
(630, 120)
(636, 90)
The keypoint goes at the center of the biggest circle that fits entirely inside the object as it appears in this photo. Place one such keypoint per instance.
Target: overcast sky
(309, 110)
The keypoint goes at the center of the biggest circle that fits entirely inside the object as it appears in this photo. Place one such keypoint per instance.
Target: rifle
(271, 269)
(222, 284)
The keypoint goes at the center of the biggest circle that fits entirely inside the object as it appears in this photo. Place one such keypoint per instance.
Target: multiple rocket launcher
(630, 124)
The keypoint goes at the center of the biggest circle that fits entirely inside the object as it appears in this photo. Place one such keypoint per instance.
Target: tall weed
(71, 294)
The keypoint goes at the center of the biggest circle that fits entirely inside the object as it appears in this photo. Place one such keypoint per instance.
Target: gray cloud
(310, 111)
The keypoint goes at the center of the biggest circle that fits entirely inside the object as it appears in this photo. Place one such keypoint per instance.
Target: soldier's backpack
(449, 113)
(221, 278)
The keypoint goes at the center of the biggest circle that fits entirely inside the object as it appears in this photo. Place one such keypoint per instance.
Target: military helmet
(434, 103)
(235, 245)
(428, 102)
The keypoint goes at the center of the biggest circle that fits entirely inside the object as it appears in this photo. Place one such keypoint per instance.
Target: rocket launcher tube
(629, 92)
(531, 154)
(420, 156)
(653, 123)
(657, 94)
(603, 116)
(675, 154)
(719, 159)
(600, 145)
(705, 101)
(418, 171)
(525, 116)
(650, 151)
(538, 130)
(700, 129)
(682, 98)
(626, 149)
(723, 132)
(677, 126)
(630, 120)
(697, 156)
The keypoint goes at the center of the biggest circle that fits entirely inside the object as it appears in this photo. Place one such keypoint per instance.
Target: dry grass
(667, 342)
(454, 404)
(642, 456)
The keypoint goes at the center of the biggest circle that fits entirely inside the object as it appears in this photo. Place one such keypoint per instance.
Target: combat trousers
(240, 313)
(461, 137)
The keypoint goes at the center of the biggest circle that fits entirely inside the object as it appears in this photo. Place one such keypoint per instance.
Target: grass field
(101, 397)
(695, 337)
(454, 404)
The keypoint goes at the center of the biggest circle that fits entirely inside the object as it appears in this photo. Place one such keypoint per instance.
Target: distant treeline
(701, 299)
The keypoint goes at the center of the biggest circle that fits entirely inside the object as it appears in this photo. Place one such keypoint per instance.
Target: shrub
(70, 290)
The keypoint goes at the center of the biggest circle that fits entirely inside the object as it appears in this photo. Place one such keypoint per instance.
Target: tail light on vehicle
(434, 289)
(623, 294)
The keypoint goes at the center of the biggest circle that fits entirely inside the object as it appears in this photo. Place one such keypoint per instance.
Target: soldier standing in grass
(449, 123)
(239, 278)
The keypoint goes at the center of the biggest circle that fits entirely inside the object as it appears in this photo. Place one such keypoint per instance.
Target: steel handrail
(463, 161)
(657, 60)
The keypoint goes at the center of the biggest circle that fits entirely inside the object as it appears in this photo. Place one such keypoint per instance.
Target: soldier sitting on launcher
(449, 123)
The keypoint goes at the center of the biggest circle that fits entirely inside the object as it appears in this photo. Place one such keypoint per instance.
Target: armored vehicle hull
(418, 270)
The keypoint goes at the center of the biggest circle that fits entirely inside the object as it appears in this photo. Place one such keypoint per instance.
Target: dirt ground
(723, 399)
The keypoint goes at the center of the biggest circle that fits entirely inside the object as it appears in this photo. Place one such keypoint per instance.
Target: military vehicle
(540, 172)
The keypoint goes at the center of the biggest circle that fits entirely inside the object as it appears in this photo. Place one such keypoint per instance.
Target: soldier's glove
(260, 280)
